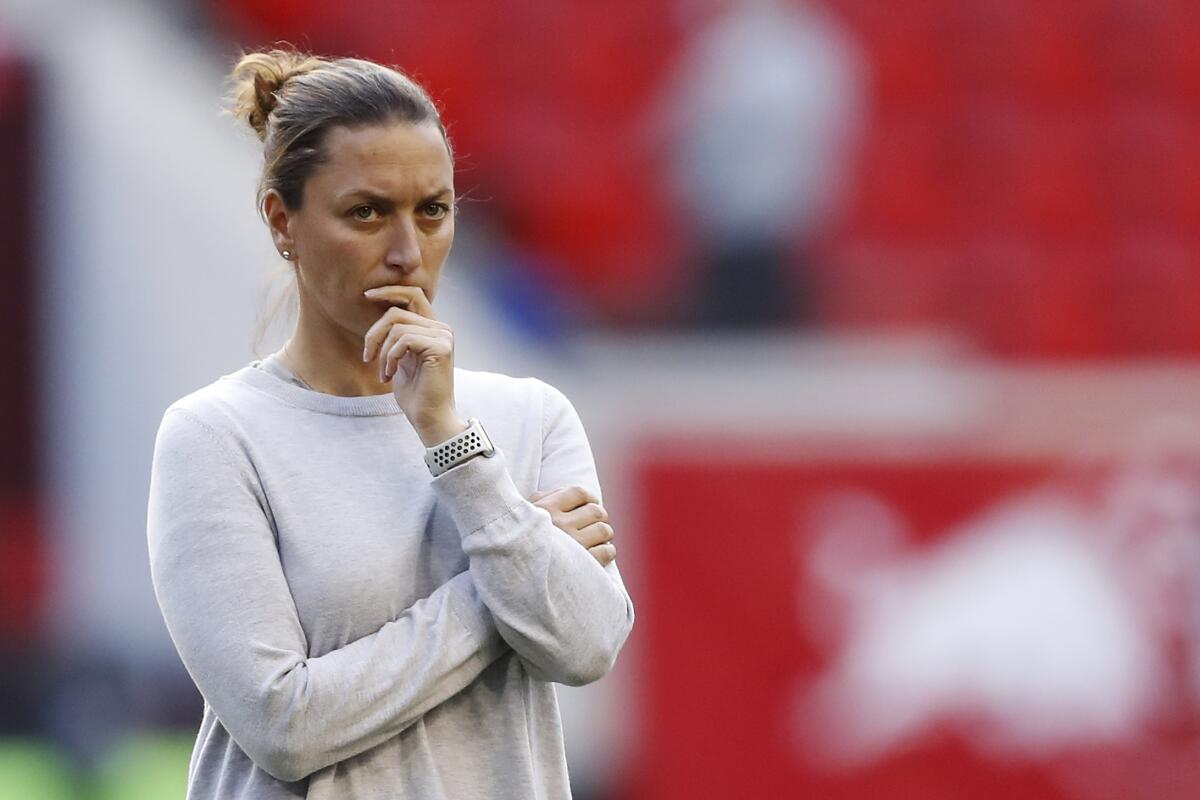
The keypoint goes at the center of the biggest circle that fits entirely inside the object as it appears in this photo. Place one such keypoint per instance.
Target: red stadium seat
(1027, 298)
(905, 181)
(883, 284)
(1157, 291)
(910, 66)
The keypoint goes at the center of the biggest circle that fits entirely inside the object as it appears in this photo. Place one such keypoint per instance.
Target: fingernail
(370, 291)
(365, 359)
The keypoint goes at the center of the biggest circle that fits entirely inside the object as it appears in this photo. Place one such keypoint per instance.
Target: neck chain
(291, 364)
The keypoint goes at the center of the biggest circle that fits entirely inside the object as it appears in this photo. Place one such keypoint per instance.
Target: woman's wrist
(435, 430)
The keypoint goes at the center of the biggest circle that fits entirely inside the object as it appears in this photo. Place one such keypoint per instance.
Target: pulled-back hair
(292, 100)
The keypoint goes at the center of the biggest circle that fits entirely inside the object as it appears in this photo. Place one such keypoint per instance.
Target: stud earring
(287, 255)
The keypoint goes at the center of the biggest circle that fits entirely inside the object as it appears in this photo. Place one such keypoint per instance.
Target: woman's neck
(331, 363)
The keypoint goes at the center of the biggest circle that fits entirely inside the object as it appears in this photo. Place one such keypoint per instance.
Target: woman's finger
(395, 331)
(566, 499)
(410, 297)
(604, 553)
(399, 330)
(398, 314)
(422, 347)
(378, 331)
(583, 516)
(594, 534)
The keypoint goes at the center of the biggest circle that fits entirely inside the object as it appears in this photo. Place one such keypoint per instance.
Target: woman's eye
(436, 210)
(363, 212)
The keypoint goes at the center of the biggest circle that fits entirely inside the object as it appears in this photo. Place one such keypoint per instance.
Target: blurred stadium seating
(1062, 132)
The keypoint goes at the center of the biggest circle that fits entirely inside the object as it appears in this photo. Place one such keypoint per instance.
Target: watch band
(459, 449)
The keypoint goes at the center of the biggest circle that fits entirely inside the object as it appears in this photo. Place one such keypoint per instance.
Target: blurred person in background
(345, 559)
(758, 122)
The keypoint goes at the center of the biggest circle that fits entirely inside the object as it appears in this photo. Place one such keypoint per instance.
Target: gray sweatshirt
(357, 628)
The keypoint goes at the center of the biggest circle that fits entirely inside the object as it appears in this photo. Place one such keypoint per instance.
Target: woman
(343, 554)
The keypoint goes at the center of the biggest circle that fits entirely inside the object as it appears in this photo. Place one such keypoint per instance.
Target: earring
(287, 255)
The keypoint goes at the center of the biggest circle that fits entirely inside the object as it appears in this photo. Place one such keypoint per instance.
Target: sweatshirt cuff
(478, 492)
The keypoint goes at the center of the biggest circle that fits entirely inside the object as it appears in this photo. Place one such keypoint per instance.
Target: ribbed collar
(264, 376)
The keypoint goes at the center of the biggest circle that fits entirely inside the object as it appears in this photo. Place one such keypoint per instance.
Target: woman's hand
(416, 353)
(578, 513)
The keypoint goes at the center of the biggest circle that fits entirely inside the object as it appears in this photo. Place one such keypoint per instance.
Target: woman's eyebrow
(434, 195)
(375, 197)
(365, 194)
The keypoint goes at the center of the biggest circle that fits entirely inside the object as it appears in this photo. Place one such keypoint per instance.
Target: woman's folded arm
(227, 605)
(564, 614)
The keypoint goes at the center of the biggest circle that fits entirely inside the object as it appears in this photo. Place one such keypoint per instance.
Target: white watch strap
(458, 449)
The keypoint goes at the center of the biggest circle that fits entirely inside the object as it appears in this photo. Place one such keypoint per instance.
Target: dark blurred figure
(758, 123)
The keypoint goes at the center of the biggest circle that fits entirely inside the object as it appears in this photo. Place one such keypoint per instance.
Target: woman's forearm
(230, 612)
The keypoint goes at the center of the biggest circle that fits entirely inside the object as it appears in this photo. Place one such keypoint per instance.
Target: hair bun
(257, 78)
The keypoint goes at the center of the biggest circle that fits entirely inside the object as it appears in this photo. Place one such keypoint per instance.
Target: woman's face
(378, 212)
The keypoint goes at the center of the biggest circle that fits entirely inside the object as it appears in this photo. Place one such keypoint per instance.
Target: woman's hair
(293, 99)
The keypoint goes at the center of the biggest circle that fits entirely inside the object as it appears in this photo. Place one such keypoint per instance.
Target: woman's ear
(278, 219)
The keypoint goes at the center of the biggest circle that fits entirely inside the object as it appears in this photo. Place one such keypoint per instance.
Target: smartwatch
(459, 449)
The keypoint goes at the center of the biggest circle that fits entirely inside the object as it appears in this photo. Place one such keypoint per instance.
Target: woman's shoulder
(495, 391)
(202, 436)
(216, 405)
(475, 380)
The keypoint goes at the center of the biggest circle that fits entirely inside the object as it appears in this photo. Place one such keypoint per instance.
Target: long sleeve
(564, 614)
(217, 575)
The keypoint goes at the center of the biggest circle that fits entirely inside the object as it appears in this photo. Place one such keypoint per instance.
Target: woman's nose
(404, 251)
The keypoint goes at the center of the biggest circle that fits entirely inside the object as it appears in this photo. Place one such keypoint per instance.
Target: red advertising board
(931, 627)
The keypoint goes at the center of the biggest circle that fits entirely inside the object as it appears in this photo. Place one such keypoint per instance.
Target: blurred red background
(1028, 177)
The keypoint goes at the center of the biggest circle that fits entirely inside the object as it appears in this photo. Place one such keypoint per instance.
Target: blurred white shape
(1036, 627)
(762, 113)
